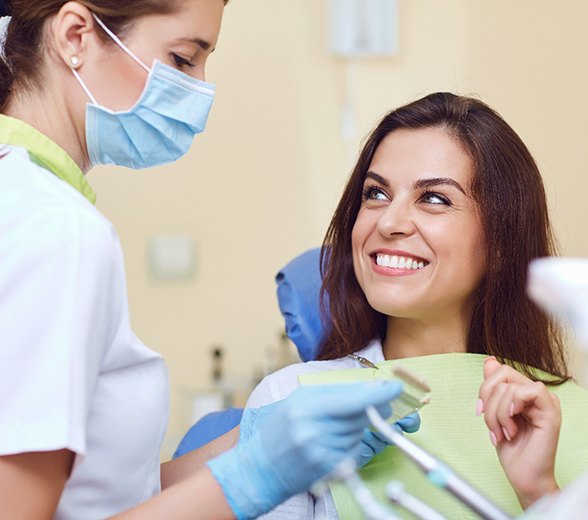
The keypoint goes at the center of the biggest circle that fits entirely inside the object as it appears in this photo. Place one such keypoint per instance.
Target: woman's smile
(417, 244)
(397, 263)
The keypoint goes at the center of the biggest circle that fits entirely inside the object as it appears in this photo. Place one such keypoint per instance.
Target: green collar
(44, 152)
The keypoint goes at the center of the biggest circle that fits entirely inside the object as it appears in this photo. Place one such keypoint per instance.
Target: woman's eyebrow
(420, 184)
(437, 181)
(378, 178)
(203, 44)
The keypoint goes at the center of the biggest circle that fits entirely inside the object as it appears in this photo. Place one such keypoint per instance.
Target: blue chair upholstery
(299, 284)
(208, 428)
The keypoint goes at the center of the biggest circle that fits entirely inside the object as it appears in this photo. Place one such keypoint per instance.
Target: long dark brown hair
(515, 223)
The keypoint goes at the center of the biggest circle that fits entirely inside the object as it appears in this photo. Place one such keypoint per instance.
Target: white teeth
(399, 262)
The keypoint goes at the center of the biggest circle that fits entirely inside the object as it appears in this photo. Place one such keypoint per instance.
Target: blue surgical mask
(159, 128)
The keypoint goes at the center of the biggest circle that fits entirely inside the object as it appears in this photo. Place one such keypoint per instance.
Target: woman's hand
(524, 420)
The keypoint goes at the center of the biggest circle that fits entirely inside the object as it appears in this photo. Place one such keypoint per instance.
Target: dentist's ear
(72, 34)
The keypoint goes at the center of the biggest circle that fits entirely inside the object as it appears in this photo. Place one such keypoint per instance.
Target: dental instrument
(397, 494)
(415, 391)
(365, 362)
(372, 509)
(560, 286)
(438, 473)
(415, 394)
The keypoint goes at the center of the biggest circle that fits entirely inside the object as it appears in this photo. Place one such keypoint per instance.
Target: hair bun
(5, 8)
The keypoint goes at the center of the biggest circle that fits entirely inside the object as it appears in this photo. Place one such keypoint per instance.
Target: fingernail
(480, 407)
(511, 409)
(493, 438)
(506, 434)
(490, 358)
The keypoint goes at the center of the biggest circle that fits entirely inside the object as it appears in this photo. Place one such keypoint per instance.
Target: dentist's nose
(397, 219)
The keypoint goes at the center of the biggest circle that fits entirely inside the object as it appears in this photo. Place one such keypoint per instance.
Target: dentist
(84, 402)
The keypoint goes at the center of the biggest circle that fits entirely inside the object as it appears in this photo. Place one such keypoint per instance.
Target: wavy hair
(504, 323)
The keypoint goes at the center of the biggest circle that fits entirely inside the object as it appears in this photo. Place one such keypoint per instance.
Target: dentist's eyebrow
(203, 44)
(439, 181)
(378, 178)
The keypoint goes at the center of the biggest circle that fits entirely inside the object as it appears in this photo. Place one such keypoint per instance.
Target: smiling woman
(456, 187)
(417, 213)
(425, 264)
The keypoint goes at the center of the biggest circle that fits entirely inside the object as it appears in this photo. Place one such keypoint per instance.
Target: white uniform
(72, 373)
(278, 386)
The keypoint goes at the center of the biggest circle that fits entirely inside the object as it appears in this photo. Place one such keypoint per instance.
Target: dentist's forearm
(198, 497)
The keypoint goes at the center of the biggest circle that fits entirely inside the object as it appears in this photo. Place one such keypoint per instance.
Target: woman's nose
(397, 219)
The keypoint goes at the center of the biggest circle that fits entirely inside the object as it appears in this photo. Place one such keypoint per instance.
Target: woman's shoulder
(282, 383)
(27, 188)
(42, 209)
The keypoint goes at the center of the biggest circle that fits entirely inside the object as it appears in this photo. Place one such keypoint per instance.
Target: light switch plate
(171, 257)
(363, 27)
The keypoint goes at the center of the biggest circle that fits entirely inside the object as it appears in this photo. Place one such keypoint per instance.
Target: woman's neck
(411, 337)
(47, 112)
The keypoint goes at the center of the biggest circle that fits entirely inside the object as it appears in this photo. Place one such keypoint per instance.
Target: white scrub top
(72, 373)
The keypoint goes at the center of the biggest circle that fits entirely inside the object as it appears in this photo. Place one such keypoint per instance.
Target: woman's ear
(72, 33)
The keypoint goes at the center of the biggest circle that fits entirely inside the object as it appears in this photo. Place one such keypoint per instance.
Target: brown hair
(23, 48)
(512, 206)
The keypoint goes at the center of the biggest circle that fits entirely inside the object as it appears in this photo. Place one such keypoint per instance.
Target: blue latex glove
(372, 444)
(297, 442)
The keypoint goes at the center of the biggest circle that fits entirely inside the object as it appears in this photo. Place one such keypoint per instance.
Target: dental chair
(298, 291)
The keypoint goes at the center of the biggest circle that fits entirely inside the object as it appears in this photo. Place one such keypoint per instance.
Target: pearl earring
(75, 61)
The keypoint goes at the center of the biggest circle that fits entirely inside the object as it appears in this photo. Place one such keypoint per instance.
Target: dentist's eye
(181, 62)
(374, 193)
(430, 197)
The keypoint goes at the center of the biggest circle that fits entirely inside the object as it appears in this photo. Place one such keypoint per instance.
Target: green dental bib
(452, 432)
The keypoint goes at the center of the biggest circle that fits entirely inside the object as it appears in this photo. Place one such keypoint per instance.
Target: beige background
(260, 186)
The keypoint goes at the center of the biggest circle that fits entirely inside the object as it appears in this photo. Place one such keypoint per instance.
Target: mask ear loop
(83, 85)
(118, 41)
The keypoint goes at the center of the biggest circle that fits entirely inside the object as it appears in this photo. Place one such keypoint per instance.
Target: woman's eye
(435, 198)
(181, 62)
(374, 193)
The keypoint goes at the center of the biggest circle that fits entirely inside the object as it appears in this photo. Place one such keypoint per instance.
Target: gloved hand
(372, 444)
(298, 442)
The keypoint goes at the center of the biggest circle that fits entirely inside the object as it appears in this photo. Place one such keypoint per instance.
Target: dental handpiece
(372, 509)
(398, 495)
(437, 472)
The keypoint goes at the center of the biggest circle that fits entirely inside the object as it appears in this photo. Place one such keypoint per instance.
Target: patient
(426, 255)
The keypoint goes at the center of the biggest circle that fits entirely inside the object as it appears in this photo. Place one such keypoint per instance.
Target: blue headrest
(299, 285)
(209, 428)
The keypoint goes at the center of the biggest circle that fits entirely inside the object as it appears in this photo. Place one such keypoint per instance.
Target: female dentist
(84, 402)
